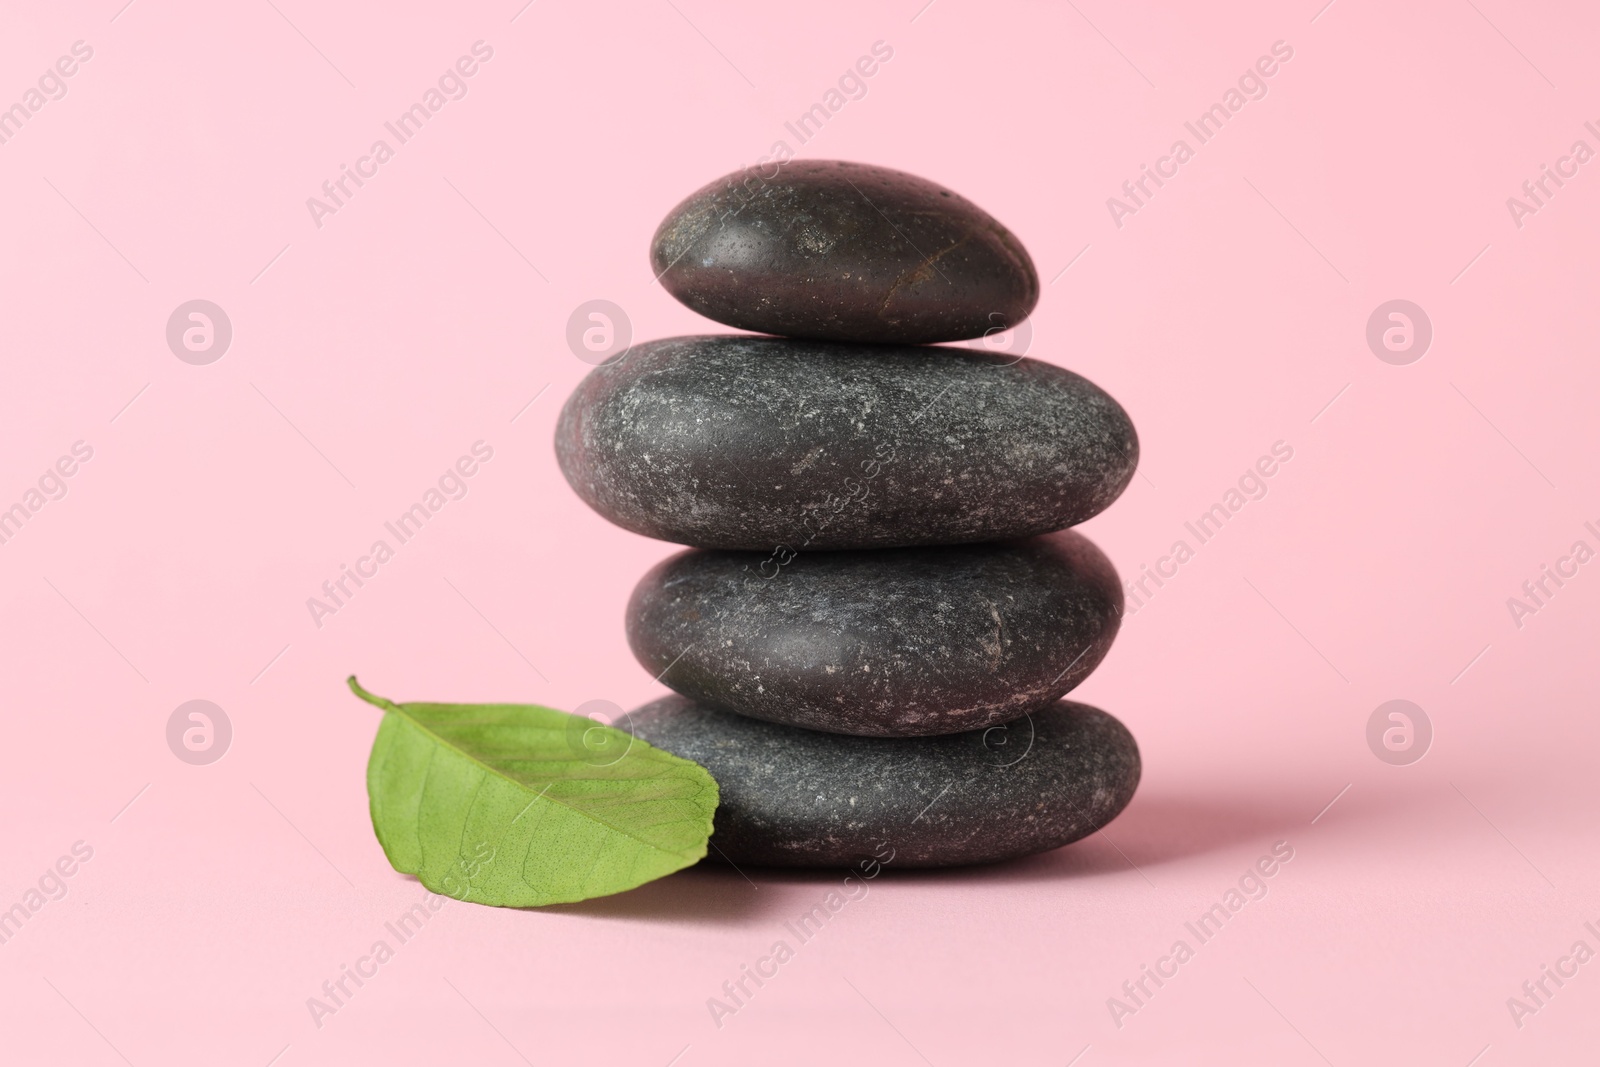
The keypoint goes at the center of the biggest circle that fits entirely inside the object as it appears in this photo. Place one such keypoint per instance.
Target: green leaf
(519, 806)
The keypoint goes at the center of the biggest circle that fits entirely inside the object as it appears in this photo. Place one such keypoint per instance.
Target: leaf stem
(371, 698)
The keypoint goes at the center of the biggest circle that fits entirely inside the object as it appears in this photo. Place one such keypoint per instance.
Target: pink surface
(1227, 313)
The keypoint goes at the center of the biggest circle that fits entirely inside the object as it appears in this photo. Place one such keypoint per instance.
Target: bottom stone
(798, 798)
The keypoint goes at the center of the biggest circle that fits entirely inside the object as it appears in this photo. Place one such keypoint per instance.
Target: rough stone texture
(797, 798)
(844, 252)
(756, 442)
(899, 642)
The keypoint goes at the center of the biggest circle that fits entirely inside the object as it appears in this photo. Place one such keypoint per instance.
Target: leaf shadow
(709, 894)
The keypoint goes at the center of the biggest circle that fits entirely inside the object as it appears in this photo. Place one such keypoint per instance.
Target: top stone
(835, 251)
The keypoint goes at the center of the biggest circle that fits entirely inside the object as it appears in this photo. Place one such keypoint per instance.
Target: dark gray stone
(844, 252)
(797, 798)
(899, 642)
(756, 442)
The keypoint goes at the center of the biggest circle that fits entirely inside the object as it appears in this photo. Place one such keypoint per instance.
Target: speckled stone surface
(843, 252)
(756, 442)
(798, 798)
(890, 643)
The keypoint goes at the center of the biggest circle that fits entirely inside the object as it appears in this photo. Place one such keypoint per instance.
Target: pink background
(424, 315)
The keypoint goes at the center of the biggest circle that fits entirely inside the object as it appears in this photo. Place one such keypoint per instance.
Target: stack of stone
(882, 607)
